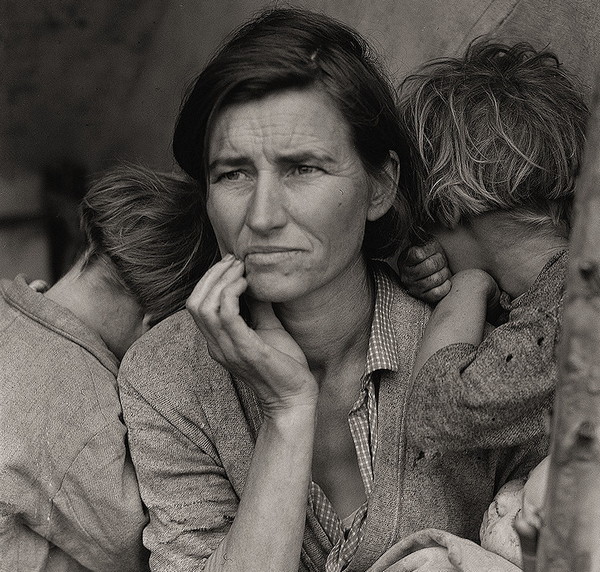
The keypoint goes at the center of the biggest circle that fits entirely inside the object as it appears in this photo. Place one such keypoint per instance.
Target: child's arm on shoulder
(475, 386)
(460, 317)
(482, 391)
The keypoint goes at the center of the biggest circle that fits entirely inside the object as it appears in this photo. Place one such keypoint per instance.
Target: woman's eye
(305, 169)
(230, 176)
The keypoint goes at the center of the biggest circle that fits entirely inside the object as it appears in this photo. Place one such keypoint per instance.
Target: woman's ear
(384, 188)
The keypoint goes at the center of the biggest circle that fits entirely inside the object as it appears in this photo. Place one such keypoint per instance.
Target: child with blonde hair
(496, 138)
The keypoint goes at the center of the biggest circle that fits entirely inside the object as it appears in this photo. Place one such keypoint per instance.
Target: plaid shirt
(362, 419)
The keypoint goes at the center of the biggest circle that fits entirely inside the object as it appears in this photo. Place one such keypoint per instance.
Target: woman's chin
(275, 289)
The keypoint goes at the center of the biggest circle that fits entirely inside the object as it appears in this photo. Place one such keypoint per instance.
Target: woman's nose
(266, 210)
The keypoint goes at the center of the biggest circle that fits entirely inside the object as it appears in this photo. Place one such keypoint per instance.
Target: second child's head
(500, 129)
(149, 233)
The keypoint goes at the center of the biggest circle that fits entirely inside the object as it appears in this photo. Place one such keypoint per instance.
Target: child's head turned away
(500, 129)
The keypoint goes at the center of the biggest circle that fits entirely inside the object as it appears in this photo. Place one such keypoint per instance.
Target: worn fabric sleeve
(492, 396)
(190, 500)
(98, 506)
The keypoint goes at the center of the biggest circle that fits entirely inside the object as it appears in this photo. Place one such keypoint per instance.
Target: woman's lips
(270, 256)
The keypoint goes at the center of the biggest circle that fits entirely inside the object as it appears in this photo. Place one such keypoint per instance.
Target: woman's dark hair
(291, 48)
(150, 232)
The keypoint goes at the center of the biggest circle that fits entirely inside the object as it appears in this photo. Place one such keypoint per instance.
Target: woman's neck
(332, 326)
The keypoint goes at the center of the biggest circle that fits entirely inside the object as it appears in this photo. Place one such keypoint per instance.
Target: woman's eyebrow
(288, 158)
(297, 157)
(228, 161)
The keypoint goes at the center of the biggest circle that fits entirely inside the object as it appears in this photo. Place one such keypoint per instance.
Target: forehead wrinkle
(301, 141)
(227, 134)
(278, 132)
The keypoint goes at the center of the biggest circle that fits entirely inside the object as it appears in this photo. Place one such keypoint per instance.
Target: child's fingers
(429, 282)
(416, 254)
(431, 265)
(434, 295)
(430, 248)
(411, 256)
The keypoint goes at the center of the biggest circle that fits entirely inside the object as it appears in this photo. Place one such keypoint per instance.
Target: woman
(293, 454)
(69, 498)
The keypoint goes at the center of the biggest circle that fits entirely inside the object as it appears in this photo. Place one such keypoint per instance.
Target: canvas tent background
(87, 83)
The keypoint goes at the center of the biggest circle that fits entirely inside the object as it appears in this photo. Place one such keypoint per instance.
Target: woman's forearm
(268, 529)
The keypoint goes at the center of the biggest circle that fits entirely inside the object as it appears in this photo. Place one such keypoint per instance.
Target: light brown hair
(151, 231)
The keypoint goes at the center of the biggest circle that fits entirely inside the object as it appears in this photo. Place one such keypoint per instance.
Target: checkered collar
(383, 351)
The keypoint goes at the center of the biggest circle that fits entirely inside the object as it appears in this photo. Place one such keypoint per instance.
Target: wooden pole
(570, 537)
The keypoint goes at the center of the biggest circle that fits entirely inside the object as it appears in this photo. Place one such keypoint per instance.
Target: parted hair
(500, 129)
(292, 48)
(151, 233)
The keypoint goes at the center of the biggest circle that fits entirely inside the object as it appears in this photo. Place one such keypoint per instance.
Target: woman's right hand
(266, 358)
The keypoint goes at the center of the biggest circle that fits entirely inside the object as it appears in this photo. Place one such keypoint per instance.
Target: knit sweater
(192, 429)
(69, 499)
(500, 392)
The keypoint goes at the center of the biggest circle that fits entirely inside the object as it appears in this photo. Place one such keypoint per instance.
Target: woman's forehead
(292, 119)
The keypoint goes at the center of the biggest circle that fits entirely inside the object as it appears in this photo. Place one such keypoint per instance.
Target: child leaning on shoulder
(497, 138)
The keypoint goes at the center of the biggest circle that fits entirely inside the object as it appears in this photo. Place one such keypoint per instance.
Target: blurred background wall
(88, 83)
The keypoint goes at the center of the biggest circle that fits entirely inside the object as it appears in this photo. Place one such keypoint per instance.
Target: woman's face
(288, 194)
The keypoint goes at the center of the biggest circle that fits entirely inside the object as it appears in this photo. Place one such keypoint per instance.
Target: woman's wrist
(291, 410)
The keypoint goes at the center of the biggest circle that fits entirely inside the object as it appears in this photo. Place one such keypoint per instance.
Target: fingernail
(419, 254)
(227, 257)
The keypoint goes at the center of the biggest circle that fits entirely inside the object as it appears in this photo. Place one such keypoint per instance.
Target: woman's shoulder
(402, 304)
(405, 316)
(170, 354)
(175, 329)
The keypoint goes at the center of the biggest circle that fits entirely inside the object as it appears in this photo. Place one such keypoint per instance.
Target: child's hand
(424, 272)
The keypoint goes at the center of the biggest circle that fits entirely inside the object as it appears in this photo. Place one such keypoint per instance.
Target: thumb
(262, 315)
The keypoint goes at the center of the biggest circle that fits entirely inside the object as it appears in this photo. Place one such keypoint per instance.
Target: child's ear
(384, 188)
(147, 322)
